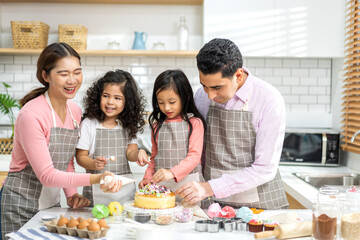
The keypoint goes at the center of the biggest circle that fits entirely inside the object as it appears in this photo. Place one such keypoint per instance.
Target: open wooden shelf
(135, 53)
(151, 2)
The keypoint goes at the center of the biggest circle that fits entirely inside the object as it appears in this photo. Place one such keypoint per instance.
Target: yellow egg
(115, 207)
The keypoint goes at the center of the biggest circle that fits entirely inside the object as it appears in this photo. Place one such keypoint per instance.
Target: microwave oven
(311, 147)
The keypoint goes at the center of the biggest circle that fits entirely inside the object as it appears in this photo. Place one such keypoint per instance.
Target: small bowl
(119, 216)
(142, 217)
(183, 215)
(164, 218)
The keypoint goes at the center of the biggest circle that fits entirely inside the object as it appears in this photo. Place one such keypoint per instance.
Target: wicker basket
(6, 145)
(26, 34)
(74, 35)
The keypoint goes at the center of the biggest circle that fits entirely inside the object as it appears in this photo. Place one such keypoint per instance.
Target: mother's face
(65, 78)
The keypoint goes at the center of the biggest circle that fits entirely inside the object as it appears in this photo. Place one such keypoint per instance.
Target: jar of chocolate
(326, 212)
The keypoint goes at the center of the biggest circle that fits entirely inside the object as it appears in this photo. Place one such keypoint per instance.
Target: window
(351, 99)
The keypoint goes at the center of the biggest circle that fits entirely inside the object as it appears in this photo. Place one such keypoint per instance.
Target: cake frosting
(214, 210)
(245, 213)
(153, 196)
(228, 212)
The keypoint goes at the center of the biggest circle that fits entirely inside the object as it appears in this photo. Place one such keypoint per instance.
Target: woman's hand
(110, 187)
(162, 175)
(100, 163)
(144, 182)
(142, 158)
(77, 201)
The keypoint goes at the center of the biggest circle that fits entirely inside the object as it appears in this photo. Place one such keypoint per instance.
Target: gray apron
(230, 146)
(23, 193)
(111, 142)
(173, 146)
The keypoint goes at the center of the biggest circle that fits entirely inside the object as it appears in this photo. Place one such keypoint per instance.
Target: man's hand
(162, 175)
(77, 201)
(193, 192)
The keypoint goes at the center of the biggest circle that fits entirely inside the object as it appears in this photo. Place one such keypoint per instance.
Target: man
(244, 136)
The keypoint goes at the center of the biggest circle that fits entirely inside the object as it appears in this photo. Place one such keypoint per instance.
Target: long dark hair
(46, 62)
(179, 83)
(131, 117)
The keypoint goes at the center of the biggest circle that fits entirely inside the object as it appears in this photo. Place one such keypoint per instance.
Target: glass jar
(326, 212)
(350, 219)
(159, 46)
(183, 35)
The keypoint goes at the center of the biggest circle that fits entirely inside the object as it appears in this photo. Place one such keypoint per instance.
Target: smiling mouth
(70, 90)
(109, 109)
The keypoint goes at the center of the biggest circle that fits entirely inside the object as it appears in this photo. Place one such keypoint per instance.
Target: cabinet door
(295, 28)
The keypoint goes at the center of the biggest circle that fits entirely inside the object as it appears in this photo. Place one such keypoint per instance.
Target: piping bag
(289, 230)
(124, 180)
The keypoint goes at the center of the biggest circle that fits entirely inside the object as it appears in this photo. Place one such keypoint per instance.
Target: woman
(46, 133)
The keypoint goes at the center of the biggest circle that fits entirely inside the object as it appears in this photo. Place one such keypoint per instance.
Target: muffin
(255, 225)
(269, 225)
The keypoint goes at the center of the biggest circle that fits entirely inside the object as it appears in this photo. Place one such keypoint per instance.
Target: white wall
(108, 22)
(304, 83)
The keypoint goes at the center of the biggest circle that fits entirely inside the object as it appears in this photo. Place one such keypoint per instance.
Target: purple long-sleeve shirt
(268, 112)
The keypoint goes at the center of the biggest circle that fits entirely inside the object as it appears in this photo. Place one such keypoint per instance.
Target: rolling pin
(289, 230)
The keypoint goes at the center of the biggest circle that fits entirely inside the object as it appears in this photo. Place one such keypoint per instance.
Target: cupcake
(255, 225)
(269, 225)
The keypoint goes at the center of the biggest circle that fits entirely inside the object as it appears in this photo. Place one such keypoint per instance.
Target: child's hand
(144, 182)
(142, 158)
(100, 163)
(162, 175)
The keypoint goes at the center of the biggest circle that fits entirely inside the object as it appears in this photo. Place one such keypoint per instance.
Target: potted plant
(7, 103)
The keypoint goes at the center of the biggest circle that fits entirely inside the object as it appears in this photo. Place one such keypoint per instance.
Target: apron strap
(76, 124)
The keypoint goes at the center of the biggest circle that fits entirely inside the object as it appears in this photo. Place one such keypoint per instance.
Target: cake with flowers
(153, 196)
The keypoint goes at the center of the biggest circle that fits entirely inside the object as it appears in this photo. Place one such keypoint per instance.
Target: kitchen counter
(173, 231)
(303, 192)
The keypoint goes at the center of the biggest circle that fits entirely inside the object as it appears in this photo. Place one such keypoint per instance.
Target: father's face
(220, 89)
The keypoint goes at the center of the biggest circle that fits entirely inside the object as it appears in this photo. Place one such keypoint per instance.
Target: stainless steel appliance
(311, 147)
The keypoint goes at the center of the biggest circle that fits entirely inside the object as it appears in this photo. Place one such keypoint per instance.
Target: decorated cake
(153, 196)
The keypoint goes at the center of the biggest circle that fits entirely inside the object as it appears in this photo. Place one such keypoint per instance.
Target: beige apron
(230, 147)
(173, 146)
(23, 193)
(111, 142)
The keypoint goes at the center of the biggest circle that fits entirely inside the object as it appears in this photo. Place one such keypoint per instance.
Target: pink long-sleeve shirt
(268, 117)
(193, 158)
(32, 135)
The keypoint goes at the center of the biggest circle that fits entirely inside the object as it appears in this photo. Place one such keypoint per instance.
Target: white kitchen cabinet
(295, 28)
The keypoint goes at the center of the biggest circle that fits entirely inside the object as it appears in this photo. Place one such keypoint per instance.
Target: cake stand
(130, 208)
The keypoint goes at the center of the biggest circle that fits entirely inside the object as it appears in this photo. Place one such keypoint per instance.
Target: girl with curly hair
(112, 118)
(177, 133)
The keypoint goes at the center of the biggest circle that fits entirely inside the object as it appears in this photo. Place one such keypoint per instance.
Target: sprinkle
(159, 191)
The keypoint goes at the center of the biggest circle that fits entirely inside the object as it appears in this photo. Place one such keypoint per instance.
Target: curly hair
(219, 55)
(131, 117)
(177, 81)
